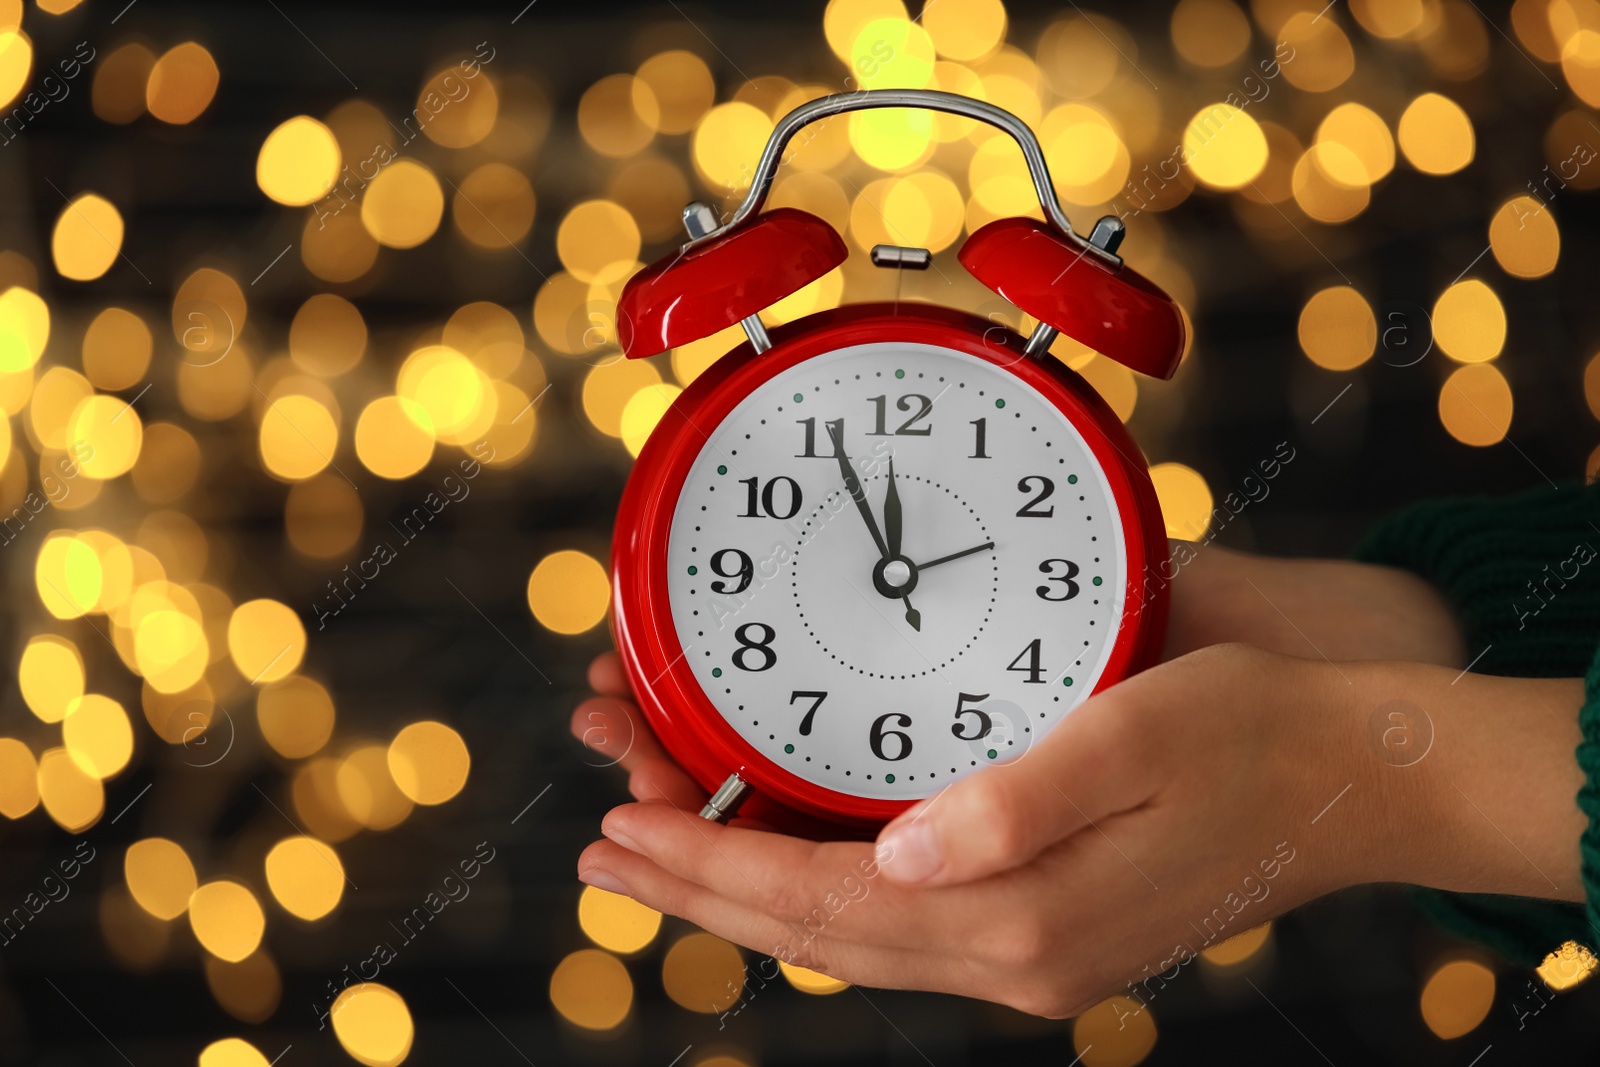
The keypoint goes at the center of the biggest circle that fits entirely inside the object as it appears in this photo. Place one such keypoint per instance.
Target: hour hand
(853, 484)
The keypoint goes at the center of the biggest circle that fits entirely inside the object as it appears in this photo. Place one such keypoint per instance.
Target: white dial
(936, 609)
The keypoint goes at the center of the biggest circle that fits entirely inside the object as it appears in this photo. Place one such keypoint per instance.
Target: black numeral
(767, 498)
(759, 646)
(982, 435)
(745, 572)
(904, 404)
(875, 738)
(1048, 568)
(985, 724)
(811, 712)
(1033, 670)
(811, 436)
(1030, 509)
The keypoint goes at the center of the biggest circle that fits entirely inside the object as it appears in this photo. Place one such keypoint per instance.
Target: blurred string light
(1456, 997)
(591, 989)
(1117, 1032)
(373, 1024)
(615, 922)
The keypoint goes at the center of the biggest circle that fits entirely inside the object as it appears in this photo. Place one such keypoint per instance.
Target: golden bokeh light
(337, 247)
(160, 876)
(454, 110)
(373, 1024)
(726, 144)
(597, 240)
(1209, 33)
(50, 676)
(1319, 195)
(170, 650)
(328, 336)
(641, 413)
(457, 399)
(1457, 997)
(1079, 57)
(814, 982)
(298, 437)
(1224, 146)
(16, 63)
(429, 762)
(181, 84)
(403, 205)
(608, 388)
(1366, 141)
(703, 973)
(1238, 949)
(315, 792)
(117, 94)
(298, 162)
(1185, 500)
(232, 1052)
(87, 238)
(19, 779)
(618, 115)
(107, 434)
(98, 735)
(1475, 405)
(24, 328)
(691, 360)
(891, 139)
(1337, 329)
(305, 876)
(74, 799)
(1469, 322)
(248, 990)
(367, 790)
(1114, 382)
(226, 919)
(1436, 134)
(1525, 238)
(67, 575)
(681, 86)
(1117, 1032)
(494, 206)
(893, 53)
(323, 516)
(591, 989)
(1390, 19)
(116, 349)
(615, 922)
(394, 437)
(653, 190)
(295, 715)
(843, 21)
(266, 640)
(1323, 58)
(965, 30)
(568, 592)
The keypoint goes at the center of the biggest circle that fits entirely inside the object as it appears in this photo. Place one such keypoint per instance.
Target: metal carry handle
(1107, 233)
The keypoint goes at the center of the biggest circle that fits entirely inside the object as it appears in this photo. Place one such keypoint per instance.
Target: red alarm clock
(887, 544)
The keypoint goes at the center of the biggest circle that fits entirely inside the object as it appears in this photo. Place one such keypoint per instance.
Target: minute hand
(955, 555)
(857, 493)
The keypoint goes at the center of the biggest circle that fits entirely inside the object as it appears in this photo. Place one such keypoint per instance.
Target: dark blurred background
(295, 737)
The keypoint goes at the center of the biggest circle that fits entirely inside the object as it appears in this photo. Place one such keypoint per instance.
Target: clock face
(934, 610)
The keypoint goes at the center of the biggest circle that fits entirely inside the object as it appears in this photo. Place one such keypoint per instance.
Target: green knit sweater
(1523, 577)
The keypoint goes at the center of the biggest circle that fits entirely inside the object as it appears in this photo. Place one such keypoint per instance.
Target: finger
(1001, 817)
(607, 678)
(615, 731)
(809, 884)
(611, 867)
(662, 781)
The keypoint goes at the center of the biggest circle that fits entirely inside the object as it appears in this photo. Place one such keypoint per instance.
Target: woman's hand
(1166, 814)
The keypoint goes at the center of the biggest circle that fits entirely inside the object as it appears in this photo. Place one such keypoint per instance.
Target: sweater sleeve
(1522, 575)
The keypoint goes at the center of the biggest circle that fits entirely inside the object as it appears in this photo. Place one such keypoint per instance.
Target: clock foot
(724, 803)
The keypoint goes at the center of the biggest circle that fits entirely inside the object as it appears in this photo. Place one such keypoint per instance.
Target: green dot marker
(789, 749)
(993, 753)
(999, 403)
(1097, 579)
(1072, 479)
(694, 570)
(722, 468)
(898, 374)
(798, 397)
(1067, 682)
(889, 778)
(716, 672)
